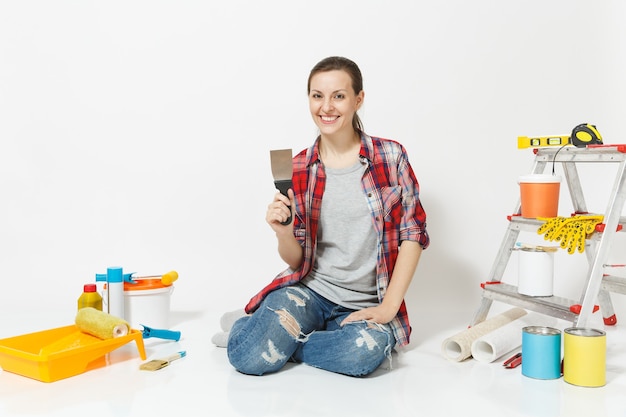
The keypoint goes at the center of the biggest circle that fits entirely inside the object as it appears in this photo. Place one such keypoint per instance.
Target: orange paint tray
(60, 353)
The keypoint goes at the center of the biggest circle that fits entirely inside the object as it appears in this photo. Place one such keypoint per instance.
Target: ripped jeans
(296, 323)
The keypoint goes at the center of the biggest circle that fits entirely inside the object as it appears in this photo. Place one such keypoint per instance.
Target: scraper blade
(282, 170)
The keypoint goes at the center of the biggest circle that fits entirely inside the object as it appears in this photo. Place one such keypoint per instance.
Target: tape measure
(582, 135)
(585, 134)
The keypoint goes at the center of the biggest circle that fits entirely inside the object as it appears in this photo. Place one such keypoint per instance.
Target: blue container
(541, 352)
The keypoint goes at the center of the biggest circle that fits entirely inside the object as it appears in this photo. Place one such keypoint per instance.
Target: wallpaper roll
(100, 324)
(458, 347)
(507, 338)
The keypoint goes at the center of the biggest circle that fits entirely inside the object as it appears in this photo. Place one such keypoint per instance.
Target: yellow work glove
(570, 232)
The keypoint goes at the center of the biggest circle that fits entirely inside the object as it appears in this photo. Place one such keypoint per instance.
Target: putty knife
(282, 170)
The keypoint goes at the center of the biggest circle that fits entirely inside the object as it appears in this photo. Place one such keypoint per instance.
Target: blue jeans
(296, 323)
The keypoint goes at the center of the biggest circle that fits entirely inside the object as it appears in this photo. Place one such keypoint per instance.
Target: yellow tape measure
(586, 134)
(541, 141)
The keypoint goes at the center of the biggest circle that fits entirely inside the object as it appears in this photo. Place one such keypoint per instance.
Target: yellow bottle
(90, 297)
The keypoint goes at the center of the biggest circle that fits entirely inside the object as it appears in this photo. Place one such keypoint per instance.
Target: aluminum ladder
(598, 285)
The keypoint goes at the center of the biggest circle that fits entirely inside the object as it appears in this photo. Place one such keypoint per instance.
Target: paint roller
(100, 324)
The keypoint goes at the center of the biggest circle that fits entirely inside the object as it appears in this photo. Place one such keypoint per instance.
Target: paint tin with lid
(584, 357)
(535, 272)
(541, 352)
(147, 303)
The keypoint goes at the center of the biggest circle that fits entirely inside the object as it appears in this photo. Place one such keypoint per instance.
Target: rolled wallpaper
(507, 338)
(458, 347)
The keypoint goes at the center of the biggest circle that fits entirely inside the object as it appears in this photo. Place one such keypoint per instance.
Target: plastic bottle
(115, 288)
(90, 297)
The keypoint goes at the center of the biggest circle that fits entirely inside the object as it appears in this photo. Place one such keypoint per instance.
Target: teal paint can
(541, 352)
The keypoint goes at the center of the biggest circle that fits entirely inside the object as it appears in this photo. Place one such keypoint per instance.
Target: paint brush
(156, 364)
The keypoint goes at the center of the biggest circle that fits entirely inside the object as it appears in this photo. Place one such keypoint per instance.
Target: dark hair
(343, 64)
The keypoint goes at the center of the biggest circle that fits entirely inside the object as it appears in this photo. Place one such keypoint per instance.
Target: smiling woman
(339, 305)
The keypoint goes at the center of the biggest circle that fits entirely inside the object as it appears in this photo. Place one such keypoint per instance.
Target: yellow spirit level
(541, 141)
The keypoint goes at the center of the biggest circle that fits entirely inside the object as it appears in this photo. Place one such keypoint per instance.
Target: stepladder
(597, 288)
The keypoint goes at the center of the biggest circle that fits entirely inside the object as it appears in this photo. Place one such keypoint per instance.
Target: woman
(352, 248)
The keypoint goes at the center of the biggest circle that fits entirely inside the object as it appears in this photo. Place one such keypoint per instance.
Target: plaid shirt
(392, 193)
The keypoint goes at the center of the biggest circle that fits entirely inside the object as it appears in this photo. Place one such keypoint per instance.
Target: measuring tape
(585, 134)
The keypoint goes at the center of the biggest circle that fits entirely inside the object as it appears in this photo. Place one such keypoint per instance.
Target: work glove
(570, 232)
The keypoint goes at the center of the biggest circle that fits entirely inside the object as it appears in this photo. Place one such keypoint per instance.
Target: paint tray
(60, 353)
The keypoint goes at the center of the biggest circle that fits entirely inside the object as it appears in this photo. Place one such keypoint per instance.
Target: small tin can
(584, 357)
(541, 352)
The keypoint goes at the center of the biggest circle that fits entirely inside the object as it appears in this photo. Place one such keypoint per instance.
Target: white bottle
(115, 288)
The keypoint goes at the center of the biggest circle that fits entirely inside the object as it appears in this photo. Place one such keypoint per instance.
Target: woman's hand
(279, 211)
(403, 272)
(379, 314)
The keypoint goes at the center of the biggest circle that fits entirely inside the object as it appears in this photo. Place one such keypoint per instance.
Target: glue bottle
(90, 297)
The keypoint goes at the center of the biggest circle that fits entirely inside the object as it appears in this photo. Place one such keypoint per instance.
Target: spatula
(282, 170)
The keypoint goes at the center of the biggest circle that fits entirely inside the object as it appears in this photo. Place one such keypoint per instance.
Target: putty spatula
(282, 169)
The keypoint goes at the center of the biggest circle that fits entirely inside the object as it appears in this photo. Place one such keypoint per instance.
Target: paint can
(541, 352)
(147, 303)
(584, 357)
(535, 272)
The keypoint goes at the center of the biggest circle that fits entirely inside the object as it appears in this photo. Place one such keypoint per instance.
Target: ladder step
(614, 283)
(517, 222)
(605, 153)
(558, 307)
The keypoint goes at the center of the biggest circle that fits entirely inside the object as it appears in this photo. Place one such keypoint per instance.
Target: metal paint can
(584, 357)
(541, 352)
(535, 272)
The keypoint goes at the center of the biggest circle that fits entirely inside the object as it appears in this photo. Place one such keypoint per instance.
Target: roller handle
(283, 186)
(160, 333)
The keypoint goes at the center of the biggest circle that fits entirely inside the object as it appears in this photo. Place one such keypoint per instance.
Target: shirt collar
(366, 152)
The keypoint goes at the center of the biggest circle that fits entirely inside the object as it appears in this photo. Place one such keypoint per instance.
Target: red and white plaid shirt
(397, 215)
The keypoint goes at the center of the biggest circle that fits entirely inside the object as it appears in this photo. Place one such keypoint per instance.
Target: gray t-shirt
(344, 270)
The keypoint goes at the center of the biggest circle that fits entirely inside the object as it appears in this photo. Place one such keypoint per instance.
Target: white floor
(422, 382)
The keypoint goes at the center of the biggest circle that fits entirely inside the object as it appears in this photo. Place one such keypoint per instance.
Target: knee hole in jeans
(288, 322)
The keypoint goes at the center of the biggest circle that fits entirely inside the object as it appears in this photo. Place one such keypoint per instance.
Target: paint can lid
(145, 284)
(541, 330)
(539, 178)
(529, 249)
(584, 331)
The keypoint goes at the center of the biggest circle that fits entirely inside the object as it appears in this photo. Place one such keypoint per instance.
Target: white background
(137, 133)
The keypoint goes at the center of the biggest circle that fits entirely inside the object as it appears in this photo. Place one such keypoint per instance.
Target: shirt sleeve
(413, 222)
